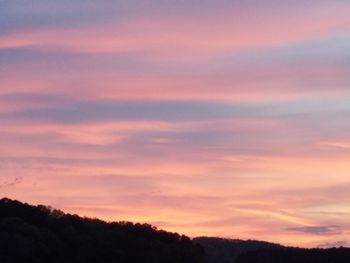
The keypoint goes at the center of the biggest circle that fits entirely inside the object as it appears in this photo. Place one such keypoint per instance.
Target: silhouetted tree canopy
(42, 234)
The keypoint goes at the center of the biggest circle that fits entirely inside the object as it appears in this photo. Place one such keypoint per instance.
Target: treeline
(35, 234)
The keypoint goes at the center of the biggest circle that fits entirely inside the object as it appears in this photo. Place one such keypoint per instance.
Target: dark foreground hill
(41, 234)
(294, 255)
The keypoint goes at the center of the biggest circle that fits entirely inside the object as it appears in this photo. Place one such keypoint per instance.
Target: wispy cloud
(317, 230)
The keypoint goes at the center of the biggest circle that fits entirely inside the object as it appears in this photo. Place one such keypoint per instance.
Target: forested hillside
(41, 234)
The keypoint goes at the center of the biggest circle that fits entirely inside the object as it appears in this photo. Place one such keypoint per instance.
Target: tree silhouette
(42, 234)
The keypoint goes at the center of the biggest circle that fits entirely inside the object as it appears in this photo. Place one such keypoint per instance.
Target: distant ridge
(220, 250)
(228, 250)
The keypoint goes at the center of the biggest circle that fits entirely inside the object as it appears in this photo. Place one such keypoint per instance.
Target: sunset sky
(207, 117)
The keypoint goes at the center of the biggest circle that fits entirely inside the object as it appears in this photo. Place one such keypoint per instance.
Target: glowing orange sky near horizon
(209, 118)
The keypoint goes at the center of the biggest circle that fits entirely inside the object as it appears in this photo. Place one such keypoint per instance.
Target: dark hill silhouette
(39, 234)
(42, 234)
(221, 250)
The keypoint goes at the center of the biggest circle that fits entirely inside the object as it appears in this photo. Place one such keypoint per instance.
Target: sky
(208, 118)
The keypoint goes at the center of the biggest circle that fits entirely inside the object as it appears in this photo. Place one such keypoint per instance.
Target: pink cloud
(279, 161)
